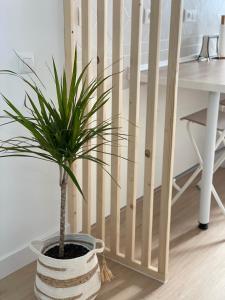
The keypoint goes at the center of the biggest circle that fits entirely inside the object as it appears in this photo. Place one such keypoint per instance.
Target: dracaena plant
(59, 131)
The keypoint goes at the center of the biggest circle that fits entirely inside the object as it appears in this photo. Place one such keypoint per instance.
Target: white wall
(29, 201)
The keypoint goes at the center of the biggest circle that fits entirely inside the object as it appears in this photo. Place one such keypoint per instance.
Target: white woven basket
(69, 279)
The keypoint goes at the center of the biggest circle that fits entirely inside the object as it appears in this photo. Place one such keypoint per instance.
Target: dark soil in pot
(70, 251)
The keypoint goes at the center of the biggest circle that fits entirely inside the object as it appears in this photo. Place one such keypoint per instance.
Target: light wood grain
(151, 271)
(205, 76)
(101, 71)
(117, 54)
(151, 120)
(200, 117)
(69, 41)
(136, 22)
(169, 134)
(86, 58)
(197, 258)
(69, 35)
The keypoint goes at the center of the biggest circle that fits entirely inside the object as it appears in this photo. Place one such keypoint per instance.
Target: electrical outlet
(146, 16)
(190, 15)
(25, 61)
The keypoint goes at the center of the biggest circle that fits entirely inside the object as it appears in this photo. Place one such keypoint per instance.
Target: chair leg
(218, 163)
(186, 185)
(221, 159)
(194, 143)
(218, 200)
(175, 185)
(220, 139)
(182, 189)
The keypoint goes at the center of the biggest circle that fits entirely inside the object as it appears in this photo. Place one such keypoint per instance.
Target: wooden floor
(197, 263)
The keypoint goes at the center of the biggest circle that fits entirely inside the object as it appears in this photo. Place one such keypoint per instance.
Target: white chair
(200, 118)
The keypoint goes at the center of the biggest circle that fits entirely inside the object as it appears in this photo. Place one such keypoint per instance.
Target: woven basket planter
(69, 279)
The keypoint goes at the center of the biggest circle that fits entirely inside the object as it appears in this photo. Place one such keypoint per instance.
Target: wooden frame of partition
(144, 265)
(70, 41)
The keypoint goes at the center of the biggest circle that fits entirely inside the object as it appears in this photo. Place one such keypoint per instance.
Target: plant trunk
(63, 185)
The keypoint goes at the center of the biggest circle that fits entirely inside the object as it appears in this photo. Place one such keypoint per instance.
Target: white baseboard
(16, 260)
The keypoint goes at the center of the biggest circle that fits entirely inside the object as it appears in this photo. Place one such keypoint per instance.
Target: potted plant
(67, 266)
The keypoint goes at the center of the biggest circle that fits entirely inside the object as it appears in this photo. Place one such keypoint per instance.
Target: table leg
(208, 160)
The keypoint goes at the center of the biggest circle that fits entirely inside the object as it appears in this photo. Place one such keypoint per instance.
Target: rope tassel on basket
(106, 274)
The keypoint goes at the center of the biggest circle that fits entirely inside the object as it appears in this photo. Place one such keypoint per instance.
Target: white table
(210, 77)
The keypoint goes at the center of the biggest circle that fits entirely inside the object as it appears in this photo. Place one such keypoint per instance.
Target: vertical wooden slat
(117, 58)
(101, 71)
(86, 58)
(169, 135)
(69, 37)
(151, 119)
(134, 96)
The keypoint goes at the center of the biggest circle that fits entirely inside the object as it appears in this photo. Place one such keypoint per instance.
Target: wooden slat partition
(136, 25)
(144, 266)
(151, 119)
(117, 58)
(86, 58)
(70, 40)
(101, 71)
(169, 134)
